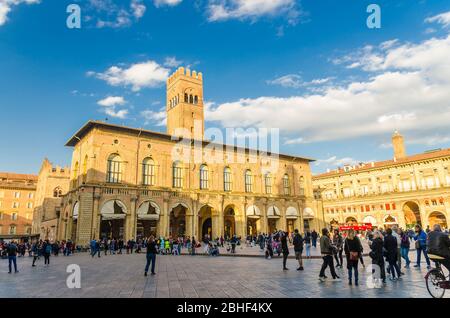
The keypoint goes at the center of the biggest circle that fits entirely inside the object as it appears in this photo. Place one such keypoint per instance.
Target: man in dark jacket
(11, 250)
(151, 255)
(439, 244)
(298, 248)
(390, 244)
(284, 248)
(327, 255)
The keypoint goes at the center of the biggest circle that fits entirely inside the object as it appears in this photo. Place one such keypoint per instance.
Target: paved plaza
(192, 277)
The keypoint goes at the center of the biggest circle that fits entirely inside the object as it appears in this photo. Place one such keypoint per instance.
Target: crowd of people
(387, 248)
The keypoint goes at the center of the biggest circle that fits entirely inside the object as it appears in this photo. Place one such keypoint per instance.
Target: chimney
(399, 146)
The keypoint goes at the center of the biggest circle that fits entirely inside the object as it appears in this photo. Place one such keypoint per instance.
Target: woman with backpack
(404, 247)
(47, 250)
(376, 254)
(352, 249)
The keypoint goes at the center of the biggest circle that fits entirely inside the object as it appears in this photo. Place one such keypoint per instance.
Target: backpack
(48, 249)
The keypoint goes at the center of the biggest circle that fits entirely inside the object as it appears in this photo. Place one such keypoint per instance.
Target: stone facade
(131, 182)
(404, 191)
(17, 195)
(53, 183)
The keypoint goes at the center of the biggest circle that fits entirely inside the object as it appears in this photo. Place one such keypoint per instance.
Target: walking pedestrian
(314, 236)
(327, 256)
(352, 249)
(47, 250)
(11, 250)
(338, 242)
(421, 246)
(404, 247)
(151, 255)
(308, 243)
(376, 255)
(390, 245)
(298, 248)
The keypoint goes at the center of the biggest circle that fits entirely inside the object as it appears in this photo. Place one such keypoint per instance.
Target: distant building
(53, 183)
(403, 191)
(17, 197)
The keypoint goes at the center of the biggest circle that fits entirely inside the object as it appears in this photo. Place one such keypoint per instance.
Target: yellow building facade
(129, 182)
(53, 182)
(404, 191)
(17, 197)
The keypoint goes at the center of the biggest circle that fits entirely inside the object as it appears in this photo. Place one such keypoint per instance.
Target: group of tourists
(387, 249)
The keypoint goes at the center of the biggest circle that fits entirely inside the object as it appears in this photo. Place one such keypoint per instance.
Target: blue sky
(335, 88)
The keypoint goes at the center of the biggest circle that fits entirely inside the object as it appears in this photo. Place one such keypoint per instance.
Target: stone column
(133, 216)
(164, 219)
(96, 217)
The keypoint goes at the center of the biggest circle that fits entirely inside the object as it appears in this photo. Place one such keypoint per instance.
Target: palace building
(53, 183)
(403, 191)
(129, 182)
(17, 194)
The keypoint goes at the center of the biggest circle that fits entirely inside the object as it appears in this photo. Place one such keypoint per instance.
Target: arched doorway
(112, 223)
(291, 217)
(390, 221)
(351, 221)
(177, 221)
(75, 212)
(229, 222)
(273, 217)
(205, 222)
(147, 219)
(411, 211)
(253, 214)
(437, 218)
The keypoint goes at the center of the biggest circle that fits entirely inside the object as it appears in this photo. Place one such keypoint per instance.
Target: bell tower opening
(185, 115)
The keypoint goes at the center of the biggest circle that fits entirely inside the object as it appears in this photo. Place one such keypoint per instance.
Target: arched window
(114, 171)
(57, 192)
(302, 185)
(191, 99)
(204, 177)
(177, 172)
(75, 171)
(227, 181)
(85, 164)
(196, 100)
(12, 230)
(248, 181)
(186, 98)
(268, 183)
(286, 185)
(148, 172)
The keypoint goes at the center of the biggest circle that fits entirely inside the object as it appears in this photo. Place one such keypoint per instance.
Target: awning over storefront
(308, 213)
(253, 212)
(291, 213)
(370, 219)
(113, 210)
(273, 212)
(76, 211)
(148, 211)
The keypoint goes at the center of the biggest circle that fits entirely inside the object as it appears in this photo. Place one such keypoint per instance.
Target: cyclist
(439, 244)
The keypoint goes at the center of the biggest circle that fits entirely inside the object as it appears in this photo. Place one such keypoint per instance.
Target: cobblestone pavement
(192, 277)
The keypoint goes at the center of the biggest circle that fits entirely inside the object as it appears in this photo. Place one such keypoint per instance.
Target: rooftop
(434, 154)
(83, 131)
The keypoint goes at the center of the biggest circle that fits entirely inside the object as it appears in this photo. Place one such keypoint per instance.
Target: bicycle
(436, 281)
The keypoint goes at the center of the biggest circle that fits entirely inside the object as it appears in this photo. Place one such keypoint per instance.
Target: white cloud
(220, 10)
(172, 62)
(408, 89)
(138, 76)
(290, 80)
(334, 162)
(295, 81)
(160, 117)
(114, 13)
(111, 101)
(171, 3)
(121, 114)
(6, 7)
(443, 18)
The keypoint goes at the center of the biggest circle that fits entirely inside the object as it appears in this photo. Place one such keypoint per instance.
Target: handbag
(417, 244)
(354, 256)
